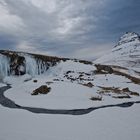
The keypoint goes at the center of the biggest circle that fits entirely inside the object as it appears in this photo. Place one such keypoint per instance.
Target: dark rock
(17, 65)
(35, 81)
(86, 62)
(89, 85)
(122, 97)
(41, 90)
(105, 68)
(68, 72)
(126, 89)
(48, 83)
(56, 80)
(98, 98)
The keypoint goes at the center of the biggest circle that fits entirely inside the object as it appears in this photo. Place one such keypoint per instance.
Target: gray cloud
(81, 28)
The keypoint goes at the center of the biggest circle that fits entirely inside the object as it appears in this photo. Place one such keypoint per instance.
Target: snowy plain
(110, 123)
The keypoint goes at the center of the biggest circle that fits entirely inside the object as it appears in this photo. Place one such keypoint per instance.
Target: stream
(6, 102)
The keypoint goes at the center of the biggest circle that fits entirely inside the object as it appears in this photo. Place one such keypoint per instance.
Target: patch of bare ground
(81, 76)
(121, 97)
(41, 90)
(121, 93)
(56, 79)
(86, 62)
(103, 69)
(49, 83)
(89, 84)
(118, 67)
(133, 79)
(96, 98)
(108, 69)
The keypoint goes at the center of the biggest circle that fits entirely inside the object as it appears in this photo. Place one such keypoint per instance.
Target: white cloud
(48, 6)
(8, 22)
(62, 27)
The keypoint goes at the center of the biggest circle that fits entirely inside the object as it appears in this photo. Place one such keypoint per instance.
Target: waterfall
(35, 66)
(42, 66)
(31, 66)
(4, 66)
(21, 63)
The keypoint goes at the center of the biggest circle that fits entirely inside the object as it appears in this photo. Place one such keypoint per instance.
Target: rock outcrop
(41, 90)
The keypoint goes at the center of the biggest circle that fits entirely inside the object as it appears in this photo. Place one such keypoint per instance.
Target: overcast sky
(70, 28)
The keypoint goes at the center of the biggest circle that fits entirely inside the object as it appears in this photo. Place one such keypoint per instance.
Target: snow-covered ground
(110, 123)
(107, 123)
(65, 94)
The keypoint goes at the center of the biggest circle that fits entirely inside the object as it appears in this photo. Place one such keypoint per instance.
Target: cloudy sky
(71, 28)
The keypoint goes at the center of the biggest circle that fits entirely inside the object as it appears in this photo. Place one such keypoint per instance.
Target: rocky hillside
(126, 53)
(19, 63)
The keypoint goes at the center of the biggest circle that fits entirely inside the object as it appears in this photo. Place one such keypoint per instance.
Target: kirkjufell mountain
(126, 53)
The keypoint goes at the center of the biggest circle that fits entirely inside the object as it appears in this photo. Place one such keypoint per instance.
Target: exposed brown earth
(89, 84)
(121, 97)
(41, 90)
(98, 98)
(121, 93)
(108, 69)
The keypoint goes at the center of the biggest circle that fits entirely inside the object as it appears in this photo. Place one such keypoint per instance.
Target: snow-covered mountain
(126, 53)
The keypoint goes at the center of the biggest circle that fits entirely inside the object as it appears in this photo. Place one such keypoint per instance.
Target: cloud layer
(81, 28)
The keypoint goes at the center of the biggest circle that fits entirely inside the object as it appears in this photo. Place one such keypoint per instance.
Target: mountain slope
(126, 53)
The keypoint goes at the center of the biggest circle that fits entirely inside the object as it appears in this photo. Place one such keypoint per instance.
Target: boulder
(41, 90)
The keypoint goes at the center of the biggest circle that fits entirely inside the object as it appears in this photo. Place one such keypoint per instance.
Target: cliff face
(19, 63)
(16, 63)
